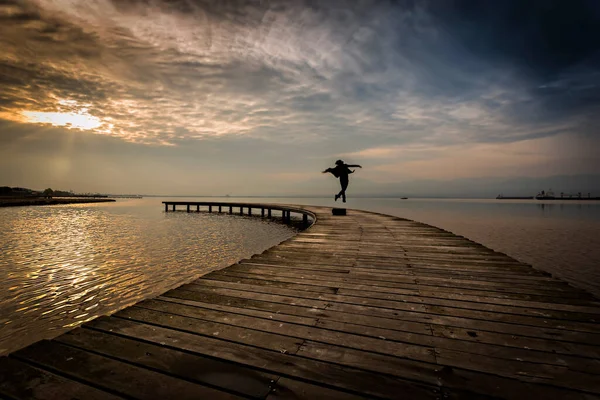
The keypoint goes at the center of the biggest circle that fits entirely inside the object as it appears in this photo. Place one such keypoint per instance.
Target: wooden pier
(357, 306)
(285, 212)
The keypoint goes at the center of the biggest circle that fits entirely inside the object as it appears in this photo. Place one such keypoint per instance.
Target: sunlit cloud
(81, 120)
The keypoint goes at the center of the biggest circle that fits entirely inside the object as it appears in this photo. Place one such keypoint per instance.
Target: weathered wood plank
(113, 375)
(416, 352)
(19, 380)
(291, 389)
(486, 296)
(209, 371)
(403, 301)
(313, 371)
(394, 320)
(358, 305)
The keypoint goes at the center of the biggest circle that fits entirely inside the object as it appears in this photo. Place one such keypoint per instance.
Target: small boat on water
(549, 195)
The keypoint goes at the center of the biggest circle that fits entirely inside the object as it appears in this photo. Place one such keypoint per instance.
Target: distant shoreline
(40, 201)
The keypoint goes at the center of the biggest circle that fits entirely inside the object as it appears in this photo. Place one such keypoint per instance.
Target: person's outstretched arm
(328, 170)
(353, 166)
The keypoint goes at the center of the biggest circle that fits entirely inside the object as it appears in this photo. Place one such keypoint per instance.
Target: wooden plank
(427, 283)
(246, 311)
(499, 346)
(416, 352)
(402, 350)
(208, 371)
(268, 283)
(109, 374)
(321, 286)
(578, 349)
(207, 327)
(392, 309)
(19, 380)
(391, 320)
(402, 301)
(301, 283)
(313, 371)
(490, 297)
(502, 387)
(477, 342)
(283, 310)
(291, 389)
(522, 371)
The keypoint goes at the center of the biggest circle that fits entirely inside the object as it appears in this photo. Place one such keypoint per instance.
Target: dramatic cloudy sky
(256, 97)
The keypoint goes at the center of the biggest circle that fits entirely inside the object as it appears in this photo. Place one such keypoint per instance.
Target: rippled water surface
(63, 265)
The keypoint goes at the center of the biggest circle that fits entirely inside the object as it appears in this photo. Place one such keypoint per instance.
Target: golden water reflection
(62, 266)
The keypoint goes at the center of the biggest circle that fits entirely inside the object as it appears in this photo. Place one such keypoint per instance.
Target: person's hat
(339, 162)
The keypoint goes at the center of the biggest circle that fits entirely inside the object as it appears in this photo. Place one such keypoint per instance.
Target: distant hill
(7, 191)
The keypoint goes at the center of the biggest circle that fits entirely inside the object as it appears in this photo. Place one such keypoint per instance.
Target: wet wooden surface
(358, 306)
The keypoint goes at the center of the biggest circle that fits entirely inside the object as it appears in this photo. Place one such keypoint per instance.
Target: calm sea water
(63, 265)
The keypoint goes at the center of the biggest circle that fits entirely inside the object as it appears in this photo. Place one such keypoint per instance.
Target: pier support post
(269, 213)
(230, 210)
(173, 207)
(197, 207)
(188, 208)
(209, 209)
(249, 210)
(166, 207)
(262, 212)
(219, 209)
(241, 210)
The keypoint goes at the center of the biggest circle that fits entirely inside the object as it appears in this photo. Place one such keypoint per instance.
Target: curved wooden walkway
(358, 306)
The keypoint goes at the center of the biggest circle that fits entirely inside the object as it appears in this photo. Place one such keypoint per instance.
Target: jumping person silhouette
(342, 171)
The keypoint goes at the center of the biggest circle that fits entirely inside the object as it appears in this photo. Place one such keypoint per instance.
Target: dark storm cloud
(553, 46)
(543, 38)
